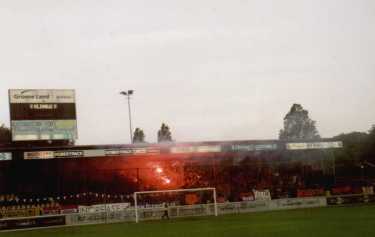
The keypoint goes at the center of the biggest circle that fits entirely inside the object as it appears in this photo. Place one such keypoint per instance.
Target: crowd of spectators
(232, 182)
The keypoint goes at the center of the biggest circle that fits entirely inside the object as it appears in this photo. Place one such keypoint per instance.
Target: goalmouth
(136, 195)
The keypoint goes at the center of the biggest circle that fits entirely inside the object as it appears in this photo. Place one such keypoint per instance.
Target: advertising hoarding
(313, 145)
(32, 155)
(252, 147)
(32, 96)
(35, 155)
(133, 151)
(195, 149)
(32, 222)
(71, 154)
(110, 207)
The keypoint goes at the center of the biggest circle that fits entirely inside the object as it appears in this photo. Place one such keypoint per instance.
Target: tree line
(359, 147)
(164, 135)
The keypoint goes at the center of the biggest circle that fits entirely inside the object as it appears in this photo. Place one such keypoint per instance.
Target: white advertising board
(313, 145)
(32, 96)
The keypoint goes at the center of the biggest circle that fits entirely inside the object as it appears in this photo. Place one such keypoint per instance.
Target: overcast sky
(211, 69)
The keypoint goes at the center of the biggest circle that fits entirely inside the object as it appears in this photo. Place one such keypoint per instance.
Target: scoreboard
(42, 115)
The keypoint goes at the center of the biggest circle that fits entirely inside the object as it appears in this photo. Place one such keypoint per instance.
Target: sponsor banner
(28, 130)
(5, 156)
(51, 210)
(204, 149)
(251, 147)
(195, 149)
(102, 217)
(253, 206)
(19, 213)
(94, 153)
(41, 96)
(291, 203)
(310, 192)
(186, 149)
(342, 190)
(247, 196)
(350, 199)
(264, 195)
(112, 152)
(313, 145)
(38, 155)
(369, 190)
(190, 210)
(62, 154)
(227, 207)
(148, 206)
(153, 151)
(68, 154)
(114, 207)
(339, 200)
(34, 222)
(92, 209)
(87, 218)
(42, 111)
(243, 207)
(133, 151)
(111, 207)
(69, 209)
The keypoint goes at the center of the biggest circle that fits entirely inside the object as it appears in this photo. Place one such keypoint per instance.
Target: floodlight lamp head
(123, 93)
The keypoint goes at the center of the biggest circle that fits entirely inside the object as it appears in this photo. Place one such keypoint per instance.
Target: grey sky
(211, 69)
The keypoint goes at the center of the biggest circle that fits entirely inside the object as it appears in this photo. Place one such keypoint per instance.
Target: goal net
(167, 204)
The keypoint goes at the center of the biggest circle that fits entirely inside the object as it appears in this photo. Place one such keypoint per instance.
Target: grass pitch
(358, 221)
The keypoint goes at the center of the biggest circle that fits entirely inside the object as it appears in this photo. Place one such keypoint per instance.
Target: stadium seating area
(234, 180)
(233, 183)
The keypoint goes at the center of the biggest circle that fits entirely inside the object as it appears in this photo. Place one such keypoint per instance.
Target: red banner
(310, 192)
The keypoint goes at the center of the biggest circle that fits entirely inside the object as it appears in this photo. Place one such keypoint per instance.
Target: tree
(369, 146)
(352, 151)
(139, 136)
(298, 125)
(164, 134)
(5, 135)
(357, 155)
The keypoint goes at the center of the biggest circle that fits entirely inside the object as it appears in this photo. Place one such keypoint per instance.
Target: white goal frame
(174, 191)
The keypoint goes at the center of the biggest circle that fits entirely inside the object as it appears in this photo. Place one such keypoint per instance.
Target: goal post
(136, 195)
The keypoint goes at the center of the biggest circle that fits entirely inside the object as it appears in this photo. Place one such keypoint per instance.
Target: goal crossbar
(170, 191)
(176, 190)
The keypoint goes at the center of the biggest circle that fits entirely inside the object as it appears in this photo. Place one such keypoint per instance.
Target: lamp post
(128, 93)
